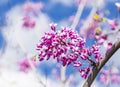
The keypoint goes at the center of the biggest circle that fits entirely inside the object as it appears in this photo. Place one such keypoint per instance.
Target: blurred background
(24, 22)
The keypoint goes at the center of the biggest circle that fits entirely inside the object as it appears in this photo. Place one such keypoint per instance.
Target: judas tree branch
(97, 68)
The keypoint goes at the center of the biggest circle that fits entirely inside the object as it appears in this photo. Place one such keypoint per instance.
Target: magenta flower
(103, 77)
(24, 65)
(84, 72)
(28, 22)
(33, 7)
(110, 75)
(109, 46)
(67, 47)
(77, 64)
(113, 24)
(53, 26)
(101, 39)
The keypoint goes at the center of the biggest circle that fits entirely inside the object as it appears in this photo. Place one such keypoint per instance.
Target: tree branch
(97, 68)
(78, 14)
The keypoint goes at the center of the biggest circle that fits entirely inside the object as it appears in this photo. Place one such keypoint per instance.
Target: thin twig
(78, 14)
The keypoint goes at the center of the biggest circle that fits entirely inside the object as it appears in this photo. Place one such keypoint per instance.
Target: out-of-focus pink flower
(104, 77)
(109, 46)
(78, 2)
(115, 78)
(101, 39)
(112, 75)
(113, 24)
(33, 7)
(28, 22)
(24, 65)
(89, 31)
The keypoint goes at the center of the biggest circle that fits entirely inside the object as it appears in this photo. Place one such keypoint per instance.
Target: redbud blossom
(110, 75)
(33, 7)
(28, 22)
(25, 66)
(53, 26)
(113, 24)
(109, 46)
(67, 47)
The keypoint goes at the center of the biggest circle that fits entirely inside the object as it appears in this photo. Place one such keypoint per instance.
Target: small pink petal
(53, 26)
(77, 64)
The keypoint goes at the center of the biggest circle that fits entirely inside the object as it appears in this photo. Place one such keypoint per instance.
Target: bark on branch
(97, 68)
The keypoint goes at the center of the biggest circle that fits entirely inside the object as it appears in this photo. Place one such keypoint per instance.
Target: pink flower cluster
(108, 76)
(67, 47)
(32, 7)
(28, 22)
(102, 40)
(24, 65)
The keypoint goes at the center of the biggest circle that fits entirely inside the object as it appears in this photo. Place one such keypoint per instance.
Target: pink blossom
(104, 77)
(115, 78)
(53, 26)
(24, 65)
(84, 72)
(109, 46)
(67, 47)
(102, 39)
(109, 75)
(77, 64)
(28, 22)
(33, 7)
(113, 24)
(95, 49)
(89, 31)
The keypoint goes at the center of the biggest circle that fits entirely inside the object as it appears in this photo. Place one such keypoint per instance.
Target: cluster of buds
(67, 47)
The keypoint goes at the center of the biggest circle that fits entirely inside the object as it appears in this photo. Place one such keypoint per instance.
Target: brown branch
(92, 63)
(97, 68)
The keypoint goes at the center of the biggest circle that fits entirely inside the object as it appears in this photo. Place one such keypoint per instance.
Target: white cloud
(10, 78)
(15, 34)
(19, 39)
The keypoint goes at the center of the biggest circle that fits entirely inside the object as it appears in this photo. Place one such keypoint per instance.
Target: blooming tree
(68, 47)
